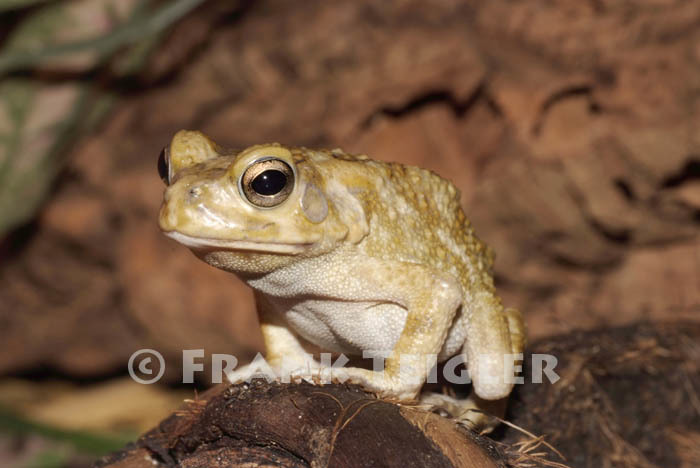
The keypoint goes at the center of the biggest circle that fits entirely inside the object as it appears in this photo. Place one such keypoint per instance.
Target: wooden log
(301, 425)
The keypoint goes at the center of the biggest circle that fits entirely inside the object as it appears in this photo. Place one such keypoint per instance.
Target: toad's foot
(383, 384)
(477, 414)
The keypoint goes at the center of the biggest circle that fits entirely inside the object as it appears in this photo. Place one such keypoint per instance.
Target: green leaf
(36, 123)
(7, 5)
(82, 441)
(137, 29)
(40, 120)
(56, 458)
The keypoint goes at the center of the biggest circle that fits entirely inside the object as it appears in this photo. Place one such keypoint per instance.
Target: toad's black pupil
(269, 182)
(163, 167)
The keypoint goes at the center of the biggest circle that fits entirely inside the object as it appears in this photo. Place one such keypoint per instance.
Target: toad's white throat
(207, 243)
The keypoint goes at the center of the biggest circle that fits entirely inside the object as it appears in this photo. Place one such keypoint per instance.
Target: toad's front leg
(286, 358)
(431, 301)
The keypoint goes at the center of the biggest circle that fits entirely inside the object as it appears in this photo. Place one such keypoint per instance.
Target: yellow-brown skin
(361, 254)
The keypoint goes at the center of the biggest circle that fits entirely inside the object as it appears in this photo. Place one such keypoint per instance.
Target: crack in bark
(437, 97)
(689, 172)
(561, 95)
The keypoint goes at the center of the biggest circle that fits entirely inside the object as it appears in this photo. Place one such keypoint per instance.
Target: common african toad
(346, 254)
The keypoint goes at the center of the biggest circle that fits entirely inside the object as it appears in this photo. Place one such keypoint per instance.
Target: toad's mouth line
(208, 242)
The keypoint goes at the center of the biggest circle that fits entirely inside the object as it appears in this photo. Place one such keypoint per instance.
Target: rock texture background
(571, 128)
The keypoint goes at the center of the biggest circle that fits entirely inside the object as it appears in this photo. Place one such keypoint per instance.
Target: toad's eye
(267, 182)
(163, 169)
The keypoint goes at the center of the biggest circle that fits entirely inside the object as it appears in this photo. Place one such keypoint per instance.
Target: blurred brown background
(572, 129)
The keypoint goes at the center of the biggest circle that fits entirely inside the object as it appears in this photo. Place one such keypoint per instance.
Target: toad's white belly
(353, 327)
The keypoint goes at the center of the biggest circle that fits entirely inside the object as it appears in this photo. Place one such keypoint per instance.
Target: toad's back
(414, 215)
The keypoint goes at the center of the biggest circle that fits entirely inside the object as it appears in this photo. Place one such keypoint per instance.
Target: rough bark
(300, 425)
(627, 398)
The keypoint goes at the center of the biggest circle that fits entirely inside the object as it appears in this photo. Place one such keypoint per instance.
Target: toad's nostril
(194, 192)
